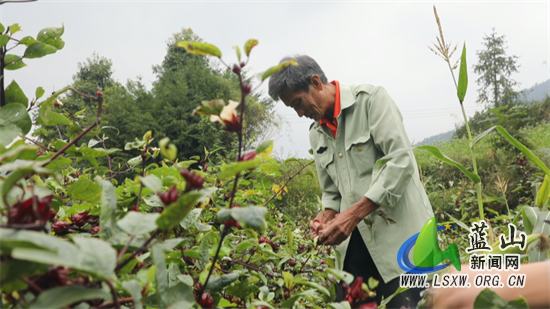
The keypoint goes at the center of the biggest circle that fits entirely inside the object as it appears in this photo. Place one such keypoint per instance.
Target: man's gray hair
(295, 78)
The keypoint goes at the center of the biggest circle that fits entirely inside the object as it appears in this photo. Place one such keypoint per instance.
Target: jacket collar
(347, 99)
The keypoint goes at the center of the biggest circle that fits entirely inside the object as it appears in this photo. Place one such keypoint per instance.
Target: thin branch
(114, 293)
(16, 1)
(123, 251)
(286, 183)
(121, 301)
(253, 267)
(145, 244)
(38, 144)
(69, 144)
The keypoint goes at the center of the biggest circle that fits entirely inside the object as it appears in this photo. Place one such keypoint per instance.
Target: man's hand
(343, 225)
(324, 218)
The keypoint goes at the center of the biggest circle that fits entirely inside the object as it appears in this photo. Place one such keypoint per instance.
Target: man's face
(309, 104)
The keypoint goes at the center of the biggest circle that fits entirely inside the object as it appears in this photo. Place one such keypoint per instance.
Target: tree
(495, 69)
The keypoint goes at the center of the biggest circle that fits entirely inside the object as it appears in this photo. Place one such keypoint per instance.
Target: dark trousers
(359, 263)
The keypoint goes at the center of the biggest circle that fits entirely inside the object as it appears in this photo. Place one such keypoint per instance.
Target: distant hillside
(538, 91)
(439, 138)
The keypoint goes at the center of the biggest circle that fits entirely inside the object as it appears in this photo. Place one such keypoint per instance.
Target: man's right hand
(324, 218)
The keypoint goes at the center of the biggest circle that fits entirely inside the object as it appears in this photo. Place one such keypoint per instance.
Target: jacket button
(359, 149)
(340, 155)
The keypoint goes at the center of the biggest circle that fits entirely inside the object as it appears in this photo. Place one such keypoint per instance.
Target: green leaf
(543, 195)
(489, 299)
(20, 169)
(14, 120)
(160, 274)
(60, 297)
(137, 223)
(199, 48)
(13, 269)
(191, 219)
(14, 94)
(238, 51)
(274, 69)
(526, 151)
(341, 275)
(107, 220)
(39, 50)
(237, 167)
(134, 288)
(459, 223)
(137, 144)
(290, 302)
(249, 217)
(14, 62)
(46, 115)
(173, 214)
(2, 28)
(51, 36)
(243, 245)
(96, 256)
(249, 45)
(152, 182)
(213, 107)
(216, 283)
(170, 151)
(178, 296)
(28, 41)
(482, 135)
(341, 305)
(264, 146)
(441, 156)
(14, 28)
(39, 92)
(463, 76)
(84, 190)
(319, 287)
(4, 38)
(204, 256)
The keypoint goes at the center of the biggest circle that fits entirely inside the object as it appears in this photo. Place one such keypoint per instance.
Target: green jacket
(370, 126)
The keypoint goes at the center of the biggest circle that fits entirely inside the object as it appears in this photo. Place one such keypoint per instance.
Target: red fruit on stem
(356, 290)
(170, 196)
(291, 263)
(95, 230)
(99, 93)
(261, 240)
(206, 300)
(371, 305)
(39, 153)
(246, 88)
(236, 69)
(249, 156)
(134, 208)
(287, 294)
(23, 212)
(60, 227)
(193, 180)
(323, 262)
(205, 168)
(80, 219)
(233, 125)
(243, 64)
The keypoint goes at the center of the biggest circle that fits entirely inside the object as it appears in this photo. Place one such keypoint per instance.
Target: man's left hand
(341, 227)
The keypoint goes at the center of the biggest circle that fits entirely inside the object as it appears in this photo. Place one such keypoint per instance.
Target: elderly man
(354, 127)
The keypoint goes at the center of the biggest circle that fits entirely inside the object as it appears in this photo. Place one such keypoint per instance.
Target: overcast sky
(376, 42)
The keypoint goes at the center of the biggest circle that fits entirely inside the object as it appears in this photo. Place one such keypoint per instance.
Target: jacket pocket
(326, 162)
(362, 154)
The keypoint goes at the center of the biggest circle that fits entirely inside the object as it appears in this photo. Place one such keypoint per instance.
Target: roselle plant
(202, 232)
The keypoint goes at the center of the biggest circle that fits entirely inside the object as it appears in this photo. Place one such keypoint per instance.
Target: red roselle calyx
(261, 240)
(236, 69)
(80, 219)
(99, 93)
(56, 276)
(60, 228)
(246, 88)
(193, 180)
(248, 156)
(206, 300)
(22, 212)
(170, 196)
(233, 125)
(233, 222)
(95, 230)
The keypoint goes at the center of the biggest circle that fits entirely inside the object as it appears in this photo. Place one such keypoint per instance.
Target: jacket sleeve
(388, 133)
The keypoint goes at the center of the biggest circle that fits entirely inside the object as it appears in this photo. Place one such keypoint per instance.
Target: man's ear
(316, 82)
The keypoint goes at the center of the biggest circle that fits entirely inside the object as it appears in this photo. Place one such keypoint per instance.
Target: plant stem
(121, 301)
(253, 267)
(286, 183)
(113, 292)
(224, 233)
(155, 233)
